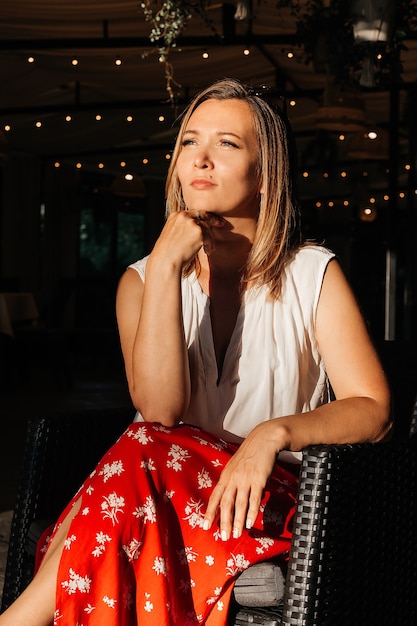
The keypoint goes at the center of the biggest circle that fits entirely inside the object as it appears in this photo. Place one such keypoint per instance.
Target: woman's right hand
(184, 234)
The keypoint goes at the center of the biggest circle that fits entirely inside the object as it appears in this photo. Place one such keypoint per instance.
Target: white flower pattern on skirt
(136, 553)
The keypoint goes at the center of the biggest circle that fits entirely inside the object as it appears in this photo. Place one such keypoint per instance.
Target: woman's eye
(227, 142)
(187, 142)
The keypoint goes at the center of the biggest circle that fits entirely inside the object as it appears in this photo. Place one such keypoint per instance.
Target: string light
(290, 55)
(74, 61)
(205, 54)
(367, 214)
(31, 59)
(246, 52)
(118, 61)
(368, 211)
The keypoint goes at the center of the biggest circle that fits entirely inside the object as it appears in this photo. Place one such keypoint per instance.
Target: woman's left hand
(238, 494)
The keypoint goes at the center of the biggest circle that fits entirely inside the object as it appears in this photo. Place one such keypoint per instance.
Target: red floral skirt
(136, 552)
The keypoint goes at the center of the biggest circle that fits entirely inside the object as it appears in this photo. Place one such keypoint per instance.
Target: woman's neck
(232, 247)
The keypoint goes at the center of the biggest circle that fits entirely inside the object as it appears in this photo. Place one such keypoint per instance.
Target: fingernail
(206, 524)
(249, 524)
(224, 535)
(236, 533)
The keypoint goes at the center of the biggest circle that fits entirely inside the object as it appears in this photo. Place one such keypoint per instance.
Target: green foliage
(168, 20)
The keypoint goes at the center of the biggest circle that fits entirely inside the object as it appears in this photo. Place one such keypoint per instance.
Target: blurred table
(17, 307)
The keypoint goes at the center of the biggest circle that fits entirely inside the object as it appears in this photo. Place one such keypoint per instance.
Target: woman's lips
(202, 183)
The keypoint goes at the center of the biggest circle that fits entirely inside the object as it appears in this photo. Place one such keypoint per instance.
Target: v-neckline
(207, 321)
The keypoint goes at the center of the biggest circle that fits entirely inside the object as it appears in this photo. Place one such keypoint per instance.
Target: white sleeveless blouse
(272, 365)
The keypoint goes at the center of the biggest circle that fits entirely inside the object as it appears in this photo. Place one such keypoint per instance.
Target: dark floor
(89, 380)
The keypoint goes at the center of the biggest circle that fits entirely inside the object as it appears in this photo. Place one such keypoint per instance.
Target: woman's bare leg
(36, 605)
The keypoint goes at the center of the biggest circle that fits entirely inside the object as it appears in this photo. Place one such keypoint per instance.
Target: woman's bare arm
(362, 408)
(149, 316)
(152, 339)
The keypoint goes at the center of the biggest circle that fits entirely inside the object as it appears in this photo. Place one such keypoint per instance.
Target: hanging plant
(168, 20)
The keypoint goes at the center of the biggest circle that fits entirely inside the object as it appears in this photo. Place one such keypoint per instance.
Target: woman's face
(217, 165)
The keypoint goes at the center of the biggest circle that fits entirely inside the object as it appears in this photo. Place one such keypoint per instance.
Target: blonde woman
(232, 331)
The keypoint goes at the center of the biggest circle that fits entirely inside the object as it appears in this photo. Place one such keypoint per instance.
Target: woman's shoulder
(309, 258)
(140, 266)
(310, 250)
(305, 271)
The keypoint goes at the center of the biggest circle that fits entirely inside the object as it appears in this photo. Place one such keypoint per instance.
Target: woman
(230, 332)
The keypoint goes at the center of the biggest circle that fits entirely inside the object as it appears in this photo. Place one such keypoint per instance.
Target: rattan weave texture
(354, 550)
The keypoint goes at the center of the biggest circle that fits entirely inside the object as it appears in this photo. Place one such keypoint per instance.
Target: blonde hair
(277, 233)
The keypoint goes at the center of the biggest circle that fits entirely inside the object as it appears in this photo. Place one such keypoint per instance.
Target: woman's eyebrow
(190, 131)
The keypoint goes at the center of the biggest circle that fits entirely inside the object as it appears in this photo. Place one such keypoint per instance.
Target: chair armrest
(353, 558)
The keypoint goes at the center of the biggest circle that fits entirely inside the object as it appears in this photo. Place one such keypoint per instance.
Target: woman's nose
(202, 160)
